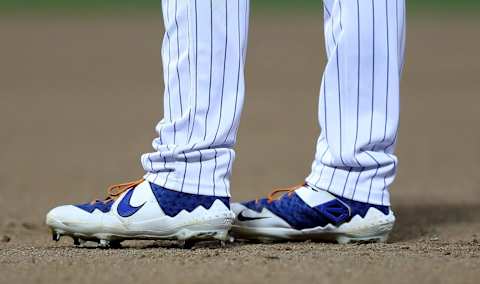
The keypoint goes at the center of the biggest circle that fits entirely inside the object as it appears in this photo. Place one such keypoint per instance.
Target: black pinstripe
(373, 91)
(386, 100)
(358, 84)
(167, 18)
(188, 58)
(211, 71)
(199, 172)
(358, 102)
(209, 92)
(374, 175)
(394, 166)
(388, 73)
(339, 98)
(174, 133)
(373, 70)
(331, 179)
(238, 73)
(169, 172)
(222, 94)
(196, 73)
(223, 74)
(227, 174)
(178, 60)
(346, 181)
(356, 183)
(184, 171)
(214, 170)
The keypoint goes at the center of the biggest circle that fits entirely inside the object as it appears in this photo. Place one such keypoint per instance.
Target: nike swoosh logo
(124, 208)
(244, 218)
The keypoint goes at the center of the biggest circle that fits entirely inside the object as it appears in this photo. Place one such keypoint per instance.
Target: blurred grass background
(113, 5)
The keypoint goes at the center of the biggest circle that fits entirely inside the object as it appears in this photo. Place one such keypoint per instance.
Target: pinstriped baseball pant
(203, 55)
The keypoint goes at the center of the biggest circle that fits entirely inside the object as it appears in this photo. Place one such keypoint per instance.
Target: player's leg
(185, 193)
(346, 195)
(359, 100)
(203, 68)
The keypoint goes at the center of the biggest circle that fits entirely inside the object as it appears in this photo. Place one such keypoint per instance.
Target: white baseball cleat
(142, 210)
(305, 213)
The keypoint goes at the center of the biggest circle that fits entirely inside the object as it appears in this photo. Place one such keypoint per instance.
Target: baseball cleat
(143, 210)
(304, 213)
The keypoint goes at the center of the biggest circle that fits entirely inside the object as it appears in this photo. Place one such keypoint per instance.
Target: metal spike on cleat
(55, 236)
(110, 244)
(230, 240)
(104, 244)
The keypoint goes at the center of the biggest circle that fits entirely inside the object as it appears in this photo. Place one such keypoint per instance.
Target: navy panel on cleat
(309, 214)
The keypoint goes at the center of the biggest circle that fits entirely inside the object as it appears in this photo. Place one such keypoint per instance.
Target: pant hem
(363, 191)
(169, 181)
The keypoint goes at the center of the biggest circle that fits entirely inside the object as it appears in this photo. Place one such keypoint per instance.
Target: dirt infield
(79, 101)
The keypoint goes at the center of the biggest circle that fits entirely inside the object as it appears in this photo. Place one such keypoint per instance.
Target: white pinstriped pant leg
(203, 56)
(359, 99)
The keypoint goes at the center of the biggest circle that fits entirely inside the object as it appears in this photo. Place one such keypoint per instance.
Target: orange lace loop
(290, 190)
(116, 190)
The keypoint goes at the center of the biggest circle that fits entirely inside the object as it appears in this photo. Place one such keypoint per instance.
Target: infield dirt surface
(79, 100)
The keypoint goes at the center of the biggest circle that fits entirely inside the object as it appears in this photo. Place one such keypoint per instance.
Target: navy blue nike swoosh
(124, 208)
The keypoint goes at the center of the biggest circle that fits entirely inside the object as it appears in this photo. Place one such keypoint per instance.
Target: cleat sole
(375, 227)
(205, 229)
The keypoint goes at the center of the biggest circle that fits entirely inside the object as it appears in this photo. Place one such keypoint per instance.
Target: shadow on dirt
(415, 221)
